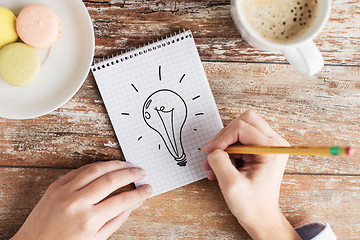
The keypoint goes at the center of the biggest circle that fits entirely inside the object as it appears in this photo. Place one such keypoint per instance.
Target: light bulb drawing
(166, 112)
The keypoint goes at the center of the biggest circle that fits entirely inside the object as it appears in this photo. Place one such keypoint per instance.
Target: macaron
(7, 27)
(38, 26)
(19, 64)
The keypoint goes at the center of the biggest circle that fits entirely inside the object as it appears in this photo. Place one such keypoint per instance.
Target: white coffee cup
(302, 52)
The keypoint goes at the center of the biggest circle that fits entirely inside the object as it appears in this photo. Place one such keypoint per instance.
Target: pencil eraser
(350, 151)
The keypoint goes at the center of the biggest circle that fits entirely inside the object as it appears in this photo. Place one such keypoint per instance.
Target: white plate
(65, 68)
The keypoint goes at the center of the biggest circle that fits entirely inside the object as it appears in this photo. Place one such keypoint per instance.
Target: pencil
(295, 150)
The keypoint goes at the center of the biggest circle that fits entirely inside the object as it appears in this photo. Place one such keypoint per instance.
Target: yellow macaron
(19, 64)
(8, 32)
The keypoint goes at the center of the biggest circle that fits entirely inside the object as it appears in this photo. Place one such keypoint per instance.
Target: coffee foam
(280, 20)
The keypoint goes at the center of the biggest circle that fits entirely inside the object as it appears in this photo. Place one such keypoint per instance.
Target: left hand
(75, 206)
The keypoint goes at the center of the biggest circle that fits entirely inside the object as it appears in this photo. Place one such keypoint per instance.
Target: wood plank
(321, 110)
(196, 211)
(120, 25)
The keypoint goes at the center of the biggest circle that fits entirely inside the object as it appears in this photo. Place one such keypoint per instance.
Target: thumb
(224, 170)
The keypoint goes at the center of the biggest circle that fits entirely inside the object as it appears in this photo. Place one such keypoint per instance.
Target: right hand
(252, 191)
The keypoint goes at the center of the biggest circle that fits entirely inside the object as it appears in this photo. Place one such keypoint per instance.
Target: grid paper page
(162, 110)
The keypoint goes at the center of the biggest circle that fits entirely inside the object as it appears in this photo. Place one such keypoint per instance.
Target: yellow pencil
(296, 150)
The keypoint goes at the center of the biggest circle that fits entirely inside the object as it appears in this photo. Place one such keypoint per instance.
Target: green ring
(334, 150)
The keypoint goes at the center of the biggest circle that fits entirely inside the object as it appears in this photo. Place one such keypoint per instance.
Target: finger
(211, 175)
(218, 134)
(114, 224)
(71, 175)
(255, 120)
(110, 182)
(222, 131)
(95, 171)
(115, 205)
(241, 132)
(206, 165)
(223, 168)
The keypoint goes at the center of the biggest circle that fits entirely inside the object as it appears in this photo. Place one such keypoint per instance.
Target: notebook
(162, 109)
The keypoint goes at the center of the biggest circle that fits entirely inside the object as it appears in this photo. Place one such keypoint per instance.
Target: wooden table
(319, 110)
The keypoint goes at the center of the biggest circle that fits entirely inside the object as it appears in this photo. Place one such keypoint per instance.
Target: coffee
(280, 21)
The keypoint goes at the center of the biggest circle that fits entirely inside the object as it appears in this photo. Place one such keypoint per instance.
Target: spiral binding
(136, 52)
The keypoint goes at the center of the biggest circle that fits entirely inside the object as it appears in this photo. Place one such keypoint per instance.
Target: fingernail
(204, 149)
(148, 188)
(210, 176)
(141, 171)
(128, 165)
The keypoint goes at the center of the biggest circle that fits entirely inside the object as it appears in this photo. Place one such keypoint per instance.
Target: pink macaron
(38, 25)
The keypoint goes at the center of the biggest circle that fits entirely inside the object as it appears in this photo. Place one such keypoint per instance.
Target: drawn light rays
(160, 78)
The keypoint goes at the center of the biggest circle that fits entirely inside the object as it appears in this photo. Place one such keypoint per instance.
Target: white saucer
(64, 69)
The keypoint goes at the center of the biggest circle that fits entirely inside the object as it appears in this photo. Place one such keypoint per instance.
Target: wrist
(270, 226)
